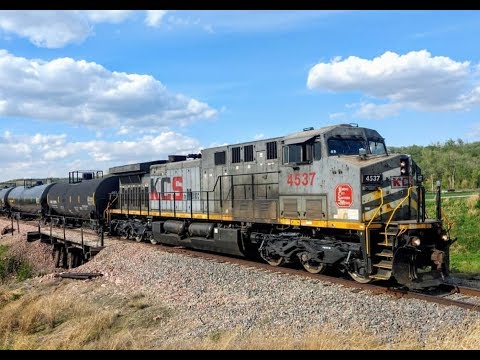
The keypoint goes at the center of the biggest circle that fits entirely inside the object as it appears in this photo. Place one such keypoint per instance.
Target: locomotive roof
(342, 129)
(302, 136)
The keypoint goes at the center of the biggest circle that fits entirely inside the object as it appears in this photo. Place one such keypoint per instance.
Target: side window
(317, 154)
(235, 155)
(219, 158)
(248, 153)
(292, 154)
(285, 154)
(271, 150)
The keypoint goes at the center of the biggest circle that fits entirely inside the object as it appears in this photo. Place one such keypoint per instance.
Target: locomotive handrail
(395, 210)
(370, 222)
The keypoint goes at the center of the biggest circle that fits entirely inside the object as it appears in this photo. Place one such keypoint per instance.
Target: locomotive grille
(290, 208)
(314, 209)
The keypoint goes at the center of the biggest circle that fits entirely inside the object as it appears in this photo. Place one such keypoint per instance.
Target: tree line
(455, 163)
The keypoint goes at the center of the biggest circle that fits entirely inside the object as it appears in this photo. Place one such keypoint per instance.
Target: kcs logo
(167, 187)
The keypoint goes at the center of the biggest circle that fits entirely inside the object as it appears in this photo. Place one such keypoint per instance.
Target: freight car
(84, 197)
(326, 198)
(3, 199)
(28, 200)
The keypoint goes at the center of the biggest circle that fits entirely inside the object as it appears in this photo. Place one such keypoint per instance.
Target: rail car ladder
(382, 258)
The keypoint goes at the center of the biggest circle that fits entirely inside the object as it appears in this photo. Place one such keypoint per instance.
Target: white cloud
(86, 93)
(57, 28)
(109, 16)
(374, 111)
(337, 116)
(46, 28)
(47, 155)
(416, 80)
(258, 137)
(154, 17)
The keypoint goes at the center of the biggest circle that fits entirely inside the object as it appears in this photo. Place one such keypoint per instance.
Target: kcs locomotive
(332, 197)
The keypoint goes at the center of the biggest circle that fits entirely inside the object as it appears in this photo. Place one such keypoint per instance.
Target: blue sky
(94, 89)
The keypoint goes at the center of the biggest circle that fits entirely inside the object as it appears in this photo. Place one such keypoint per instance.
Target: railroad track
(447, 294)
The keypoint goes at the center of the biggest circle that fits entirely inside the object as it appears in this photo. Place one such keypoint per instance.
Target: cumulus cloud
(46, 28)
(154, 17)
(58, 28)
(416, 80)
(48, 155)
(86, 93)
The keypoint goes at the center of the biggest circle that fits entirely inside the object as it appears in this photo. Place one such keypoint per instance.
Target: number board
(372, 179)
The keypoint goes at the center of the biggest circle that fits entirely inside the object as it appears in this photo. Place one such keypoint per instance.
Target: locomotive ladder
(382, 257)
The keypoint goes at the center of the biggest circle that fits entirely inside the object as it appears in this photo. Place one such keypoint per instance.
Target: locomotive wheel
(359, 278)
(153, 241)
(138, 238)
(314, 269)
(275, 262)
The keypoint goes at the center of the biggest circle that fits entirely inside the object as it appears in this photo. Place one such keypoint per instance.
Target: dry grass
(328, 338)
(46, 319)
(52, 316)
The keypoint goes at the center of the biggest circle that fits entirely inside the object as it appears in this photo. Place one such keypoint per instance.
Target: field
(461, 212)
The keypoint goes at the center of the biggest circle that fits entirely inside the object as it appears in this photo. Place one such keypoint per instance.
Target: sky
(92, 89)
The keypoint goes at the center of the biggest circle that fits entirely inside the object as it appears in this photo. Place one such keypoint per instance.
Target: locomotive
(325, 198)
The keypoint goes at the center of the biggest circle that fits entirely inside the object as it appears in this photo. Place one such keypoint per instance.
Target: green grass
(463, 216)
(430, 196)
(468, 263)
(13, 267)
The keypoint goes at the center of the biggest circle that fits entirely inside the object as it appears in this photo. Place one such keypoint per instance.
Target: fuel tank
(29, 200)
(87, 199)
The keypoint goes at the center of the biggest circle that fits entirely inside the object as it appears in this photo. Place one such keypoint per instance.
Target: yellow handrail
(395, 210)
(367, 234)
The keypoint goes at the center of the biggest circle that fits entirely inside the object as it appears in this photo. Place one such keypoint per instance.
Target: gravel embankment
(215, 296)
(209, 296)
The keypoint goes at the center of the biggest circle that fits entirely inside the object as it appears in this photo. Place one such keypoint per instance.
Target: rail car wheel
(125, 235)
(275, 262)
(153, 241)
(359, 278)
(314, 268)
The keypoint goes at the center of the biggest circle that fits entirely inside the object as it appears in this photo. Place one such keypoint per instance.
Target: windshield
(345, 146)
(377, 147)
(352, 147)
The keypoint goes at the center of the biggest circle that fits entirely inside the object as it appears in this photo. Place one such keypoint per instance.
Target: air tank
(86, 200)
(174, 226)
(201, 229)
(28, 200)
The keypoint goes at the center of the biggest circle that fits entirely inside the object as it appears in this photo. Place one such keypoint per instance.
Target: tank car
(84, 197)
(28, 201)
(4, 207)
(326, 198)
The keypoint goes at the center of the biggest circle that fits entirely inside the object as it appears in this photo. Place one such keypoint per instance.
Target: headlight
(415, 241)
(444, 237)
